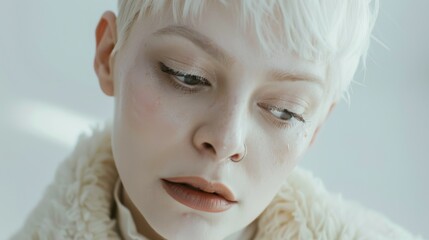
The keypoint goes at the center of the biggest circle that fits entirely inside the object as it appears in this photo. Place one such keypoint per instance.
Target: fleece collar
(79, 204)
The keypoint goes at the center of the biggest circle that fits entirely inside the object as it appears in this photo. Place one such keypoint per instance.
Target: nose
(222, 133)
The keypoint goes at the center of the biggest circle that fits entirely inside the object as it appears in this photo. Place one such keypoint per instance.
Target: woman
(215, 103)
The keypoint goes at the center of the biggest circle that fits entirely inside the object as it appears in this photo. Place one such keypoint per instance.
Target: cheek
(301, 141)
(281, 156)
(143, 121)
(146, 108)
(269, 161)
(292, 147)
(145, 103)
(270, 165)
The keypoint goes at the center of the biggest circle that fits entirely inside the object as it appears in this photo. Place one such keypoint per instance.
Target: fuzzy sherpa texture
(79, 202)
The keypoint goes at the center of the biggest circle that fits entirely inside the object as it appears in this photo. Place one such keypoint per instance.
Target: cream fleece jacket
(79, 202)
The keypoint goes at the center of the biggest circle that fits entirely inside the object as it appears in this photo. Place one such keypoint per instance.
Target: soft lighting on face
(50, 122)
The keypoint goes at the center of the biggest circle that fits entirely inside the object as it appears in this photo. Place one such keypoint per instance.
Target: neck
(142, 225)
(248, 233)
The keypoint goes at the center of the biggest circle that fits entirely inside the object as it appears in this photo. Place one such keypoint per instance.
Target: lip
(200, 194)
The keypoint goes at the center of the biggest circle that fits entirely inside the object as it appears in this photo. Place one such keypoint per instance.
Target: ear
(105, 35)
(316, 132)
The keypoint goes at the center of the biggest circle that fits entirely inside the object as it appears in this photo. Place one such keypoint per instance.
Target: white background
(374, 152)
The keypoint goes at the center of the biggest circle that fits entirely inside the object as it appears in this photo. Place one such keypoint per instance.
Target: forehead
(309, 30)
(218, 31)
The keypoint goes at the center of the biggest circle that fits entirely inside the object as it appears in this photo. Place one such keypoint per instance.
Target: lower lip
(198, 200)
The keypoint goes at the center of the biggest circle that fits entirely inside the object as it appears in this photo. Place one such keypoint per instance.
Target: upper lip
(206, 186)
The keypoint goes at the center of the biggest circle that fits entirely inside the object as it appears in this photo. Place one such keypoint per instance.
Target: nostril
(235, 157)
(208, 146)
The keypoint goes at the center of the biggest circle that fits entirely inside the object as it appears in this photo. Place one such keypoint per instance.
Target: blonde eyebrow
(295, 76)
(199, 40)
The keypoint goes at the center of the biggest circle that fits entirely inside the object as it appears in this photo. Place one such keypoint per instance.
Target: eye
(184, 78)
(190, 80)
(282, 114)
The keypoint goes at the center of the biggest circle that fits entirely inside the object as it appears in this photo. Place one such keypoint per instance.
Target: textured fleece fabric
(79, 204)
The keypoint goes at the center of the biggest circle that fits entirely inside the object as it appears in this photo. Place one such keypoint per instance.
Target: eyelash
(280, 123)
(186, 88)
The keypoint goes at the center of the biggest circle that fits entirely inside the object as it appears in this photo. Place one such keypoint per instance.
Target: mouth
(199, 194)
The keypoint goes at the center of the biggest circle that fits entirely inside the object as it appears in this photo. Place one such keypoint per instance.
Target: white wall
(375, 152)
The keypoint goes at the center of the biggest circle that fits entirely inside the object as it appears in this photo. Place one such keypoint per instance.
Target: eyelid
(294, 104)
(192, 68)
(271, 107)
(185, 88)
(178, 73)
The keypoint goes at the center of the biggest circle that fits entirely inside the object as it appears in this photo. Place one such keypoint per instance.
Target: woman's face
(188, 98)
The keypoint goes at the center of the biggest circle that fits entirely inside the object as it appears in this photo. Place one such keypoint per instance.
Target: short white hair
(337, 32)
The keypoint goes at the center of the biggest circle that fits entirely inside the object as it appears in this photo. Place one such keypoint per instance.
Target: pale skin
(168, 125)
